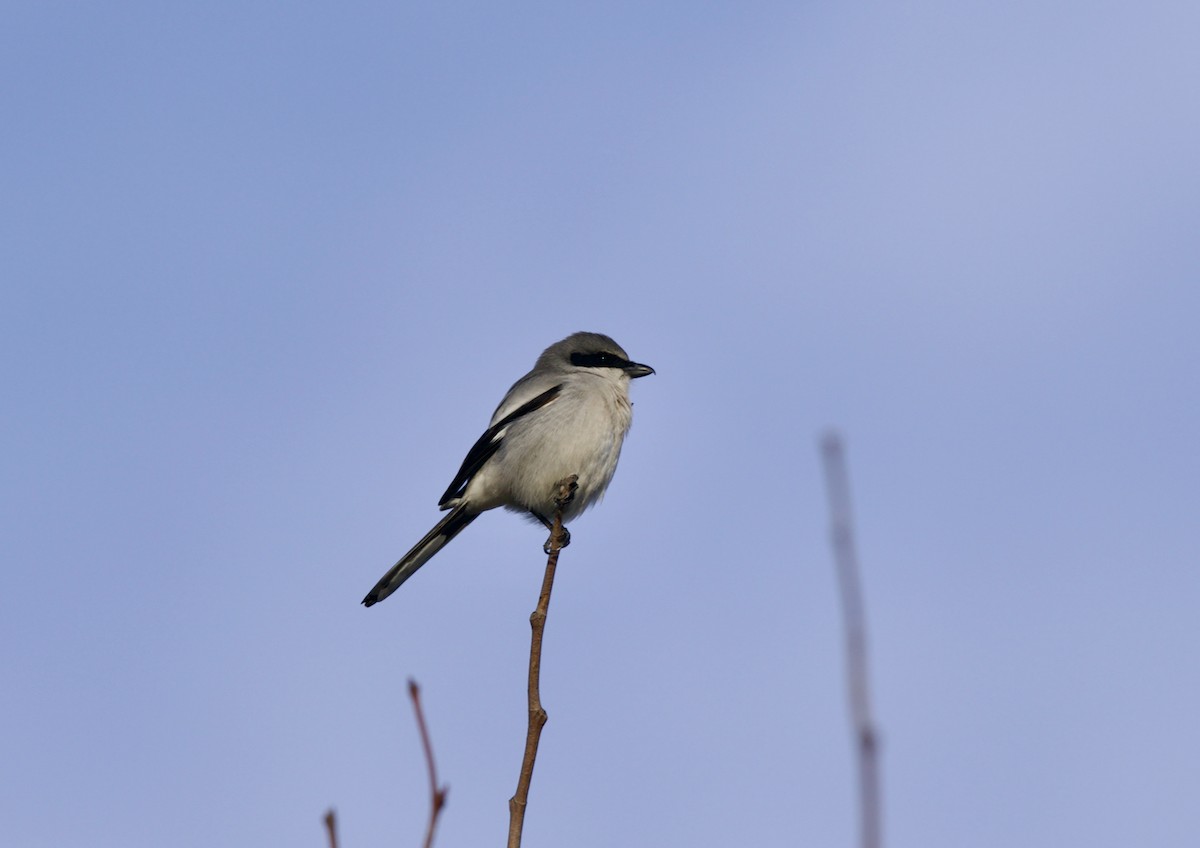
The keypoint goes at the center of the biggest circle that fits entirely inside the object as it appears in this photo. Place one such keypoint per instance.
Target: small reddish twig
(437, 794)
(331, 827)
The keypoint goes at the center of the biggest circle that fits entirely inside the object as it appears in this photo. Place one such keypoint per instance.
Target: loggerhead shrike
(569, 415)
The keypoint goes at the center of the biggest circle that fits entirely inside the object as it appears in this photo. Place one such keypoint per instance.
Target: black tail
(434, 541)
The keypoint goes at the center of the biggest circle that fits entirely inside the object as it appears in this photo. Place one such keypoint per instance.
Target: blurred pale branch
(854, 619)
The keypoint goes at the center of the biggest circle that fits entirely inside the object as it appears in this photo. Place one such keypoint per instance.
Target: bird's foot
(566, 540)
(566, 491)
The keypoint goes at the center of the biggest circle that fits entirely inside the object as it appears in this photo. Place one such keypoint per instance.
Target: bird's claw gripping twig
(566, 493)
(566, 540)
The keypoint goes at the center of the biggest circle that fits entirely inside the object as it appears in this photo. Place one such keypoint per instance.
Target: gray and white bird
(568, 416)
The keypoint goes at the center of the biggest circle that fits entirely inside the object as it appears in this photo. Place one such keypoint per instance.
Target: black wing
(490, 442)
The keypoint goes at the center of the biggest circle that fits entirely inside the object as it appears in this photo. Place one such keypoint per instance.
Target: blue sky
(268, 268)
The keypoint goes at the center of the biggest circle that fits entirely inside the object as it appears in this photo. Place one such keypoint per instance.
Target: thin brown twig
(437, 794)
(854, 617)
(537, 715)
(331, 827)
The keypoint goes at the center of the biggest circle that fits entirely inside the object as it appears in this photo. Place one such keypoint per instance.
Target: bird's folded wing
(490, 442)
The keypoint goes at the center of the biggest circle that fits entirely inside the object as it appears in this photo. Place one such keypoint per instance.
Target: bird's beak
(635, 370)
